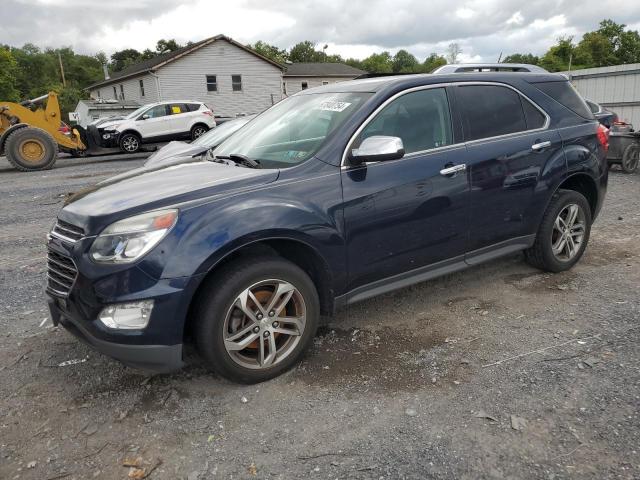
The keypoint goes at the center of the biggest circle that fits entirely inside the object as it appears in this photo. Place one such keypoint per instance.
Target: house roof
(322, 69)
(109, 104)
(155, 63)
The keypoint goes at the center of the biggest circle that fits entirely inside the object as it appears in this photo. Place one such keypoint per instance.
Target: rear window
(565, 94)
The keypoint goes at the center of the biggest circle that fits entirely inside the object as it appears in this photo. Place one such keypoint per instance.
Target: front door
(405, 214)
(154, 122)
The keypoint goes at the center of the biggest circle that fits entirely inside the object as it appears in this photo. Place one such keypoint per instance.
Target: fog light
(106, 136)
(133, 315)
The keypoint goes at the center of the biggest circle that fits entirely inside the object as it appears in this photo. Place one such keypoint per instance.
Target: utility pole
(64, 82)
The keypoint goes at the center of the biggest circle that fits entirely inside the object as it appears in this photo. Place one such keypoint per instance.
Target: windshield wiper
(239, 160)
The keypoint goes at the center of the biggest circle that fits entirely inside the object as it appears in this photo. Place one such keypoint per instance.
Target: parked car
(176, 152)
(158, 122)
(604, 116)
(330, 197)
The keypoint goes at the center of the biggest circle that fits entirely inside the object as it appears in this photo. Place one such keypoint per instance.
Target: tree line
(29, 71)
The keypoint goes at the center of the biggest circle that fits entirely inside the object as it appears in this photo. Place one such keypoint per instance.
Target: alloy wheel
(264, 324)
(198, 132)
(130, 143)
(568, 232)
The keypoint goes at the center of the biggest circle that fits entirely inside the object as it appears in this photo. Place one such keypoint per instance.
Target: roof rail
(489, 67)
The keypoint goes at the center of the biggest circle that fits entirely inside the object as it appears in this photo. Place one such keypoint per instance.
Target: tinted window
(489, 111)
(534, 117)
(421, 119)
(177, 108)
(594, 107)
(564, 93)
(193, 107)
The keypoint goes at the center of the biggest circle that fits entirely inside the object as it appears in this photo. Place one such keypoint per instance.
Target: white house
(224, 74)
(300, 76)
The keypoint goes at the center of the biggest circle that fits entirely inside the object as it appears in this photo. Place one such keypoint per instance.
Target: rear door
(509, 145)
(180, 118)
(403, 215)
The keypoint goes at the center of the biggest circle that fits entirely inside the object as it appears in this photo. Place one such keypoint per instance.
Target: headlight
(129, 239)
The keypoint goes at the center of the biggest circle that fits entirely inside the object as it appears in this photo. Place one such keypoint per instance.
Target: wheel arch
(129, 131)
(295, 250)
(584, 184)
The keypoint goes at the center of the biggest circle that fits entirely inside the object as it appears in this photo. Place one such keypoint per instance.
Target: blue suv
(332, 196)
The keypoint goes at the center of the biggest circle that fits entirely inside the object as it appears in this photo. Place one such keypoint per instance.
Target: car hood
(145, 189)
(112, 125)
(174, 149)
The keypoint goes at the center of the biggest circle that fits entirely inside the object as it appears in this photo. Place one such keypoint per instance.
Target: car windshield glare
(293, 130)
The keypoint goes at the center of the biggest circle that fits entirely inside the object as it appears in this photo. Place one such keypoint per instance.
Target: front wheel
(563, 234)
(30, 149)
(630, 158)
(255, 318)
(129, 143)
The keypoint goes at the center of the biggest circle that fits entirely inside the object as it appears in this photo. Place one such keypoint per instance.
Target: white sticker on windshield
(334, 106)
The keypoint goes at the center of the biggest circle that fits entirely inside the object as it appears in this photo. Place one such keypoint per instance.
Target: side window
(534, 117)
(157, 111)
(421, 119)
(490, 111)
(564, 93)
(236, 83)
(193, 107)
(212, 83)
(177, 108)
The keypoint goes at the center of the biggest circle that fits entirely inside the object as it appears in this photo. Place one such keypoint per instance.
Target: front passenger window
(421, 119)
(157, 111)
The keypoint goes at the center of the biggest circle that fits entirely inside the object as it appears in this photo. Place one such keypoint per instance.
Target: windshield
(293, 130)
(217, 135)
(137, 112)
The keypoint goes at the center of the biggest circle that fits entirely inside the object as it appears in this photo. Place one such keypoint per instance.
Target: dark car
(330, 197)
(604, 116)
(175, 152)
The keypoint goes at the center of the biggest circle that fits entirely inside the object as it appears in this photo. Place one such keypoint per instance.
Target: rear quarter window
(565, 94)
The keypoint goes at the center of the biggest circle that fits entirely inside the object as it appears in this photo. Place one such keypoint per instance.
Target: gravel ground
(433, 381)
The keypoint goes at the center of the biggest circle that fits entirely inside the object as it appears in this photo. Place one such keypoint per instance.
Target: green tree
(124, 58)
(629, 50)
(306, 52)
(8, 76)
(404, 62)
(166, 46)
(378, 63)
(527, 58)
(271, 52)
(432, 62)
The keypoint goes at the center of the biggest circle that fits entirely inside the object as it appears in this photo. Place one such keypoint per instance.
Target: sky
(352, 28)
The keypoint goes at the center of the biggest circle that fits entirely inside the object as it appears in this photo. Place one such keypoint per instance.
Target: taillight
(603, 136)
(208, 112)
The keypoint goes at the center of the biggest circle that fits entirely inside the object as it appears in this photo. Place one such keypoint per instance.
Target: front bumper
(109, 139)
(153, 358)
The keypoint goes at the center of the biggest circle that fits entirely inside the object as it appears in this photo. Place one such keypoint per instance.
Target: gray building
(224, 74)
(616, 88)
(90, 110)
(300, 76)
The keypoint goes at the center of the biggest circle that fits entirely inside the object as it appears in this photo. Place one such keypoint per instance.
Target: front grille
(61, 274)
(67, 231)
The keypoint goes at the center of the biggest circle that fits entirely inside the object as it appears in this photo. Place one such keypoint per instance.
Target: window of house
(305, 85)
(212, 83)
(99, 94)
(115, 92)
(236, 83)
(284, 88)
(490, 111)
(324, 82)
(121, 92)
(421, 119)
(141, 88)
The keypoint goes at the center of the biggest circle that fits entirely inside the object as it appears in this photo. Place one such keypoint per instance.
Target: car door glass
(177, 108)
(490, 111)
(533, 116)
(421, 119)
(156, 112)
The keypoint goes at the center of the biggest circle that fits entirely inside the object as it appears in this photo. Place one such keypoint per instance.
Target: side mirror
(378, 148)
(145, 117)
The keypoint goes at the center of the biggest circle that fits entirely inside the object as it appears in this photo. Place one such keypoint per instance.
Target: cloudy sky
(352, 28)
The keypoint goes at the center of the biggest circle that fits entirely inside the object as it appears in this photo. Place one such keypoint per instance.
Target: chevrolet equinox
(332, 196)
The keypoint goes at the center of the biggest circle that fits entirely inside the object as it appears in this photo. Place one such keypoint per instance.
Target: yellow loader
(30, 134)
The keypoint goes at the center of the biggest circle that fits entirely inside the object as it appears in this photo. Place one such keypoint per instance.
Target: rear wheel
(130, 143)
(198, 130)
(563, 234)
(256, 318)
(31, 149)
(630, 158)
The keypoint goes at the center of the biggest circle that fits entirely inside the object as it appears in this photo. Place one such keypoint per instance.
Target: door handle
(453, 170)
(536, 147)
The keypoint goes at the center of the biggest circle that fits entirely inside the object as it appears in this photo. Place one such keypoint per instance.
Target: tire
(198, 130)
(630, 158)
(541, 255)
(218, 316)
(130, 143)
(31, 149)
